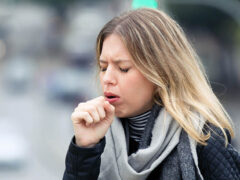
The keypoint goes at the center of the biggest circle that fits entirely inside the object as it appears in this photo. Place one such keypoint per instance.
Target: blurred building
(214, 28)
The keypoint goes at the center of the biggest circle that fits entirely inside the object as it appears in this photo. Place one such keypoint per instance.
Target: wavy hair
(162, 53)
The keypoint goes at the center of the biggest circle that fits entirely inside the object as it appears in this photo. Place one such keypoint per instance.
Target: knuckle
(80, 104)
(97, 118)
(85, 114)
(80, 107)
(72, 116)
(102, 114)
(101, 99)
(76, 109)
(91, 108)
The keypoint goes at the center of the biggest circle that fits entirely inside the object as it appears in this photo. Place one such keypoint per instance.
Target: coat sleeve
(83, 163)
(216, 161)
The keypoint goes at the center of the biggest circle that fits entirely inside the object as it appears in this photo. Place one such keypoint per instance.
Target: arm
(91, 120)
(216, 161)
(83, 163)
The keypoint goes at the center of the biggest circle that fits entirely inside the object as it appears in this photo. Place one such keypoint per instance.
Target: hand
(91, 121)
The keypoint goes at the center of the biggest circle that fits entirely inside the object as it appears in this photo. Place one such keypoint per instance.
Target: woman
(168, 125)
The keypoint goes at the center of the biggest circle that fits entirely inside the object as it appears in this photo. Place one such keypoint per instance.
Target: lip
(113, 99)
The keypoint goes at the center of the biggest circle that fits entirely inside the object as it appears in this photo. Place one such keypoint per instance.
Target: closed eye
(103, 69)
(124, 70)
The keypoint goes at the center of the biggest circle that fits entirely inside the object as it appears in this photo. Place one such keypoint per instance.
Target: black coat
(216, 162)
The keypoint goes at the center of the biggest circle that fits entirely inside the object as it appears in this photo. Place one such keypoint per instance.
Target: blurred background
(47, 66)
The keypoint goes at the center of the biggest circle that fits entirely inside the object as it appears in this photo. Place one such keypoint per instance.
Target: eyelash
(124, 70)
(121, 69)
(103, 69)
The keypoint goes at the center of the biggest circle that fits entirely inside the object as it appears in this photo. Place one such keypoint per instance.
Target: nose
(109, 76)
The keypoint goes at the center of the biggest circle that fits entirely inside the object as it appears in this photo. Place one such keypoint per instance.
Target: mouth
(111, 98)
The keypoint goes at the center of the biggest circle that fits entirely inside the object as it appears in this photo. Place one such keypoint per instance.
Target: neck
(137, 125)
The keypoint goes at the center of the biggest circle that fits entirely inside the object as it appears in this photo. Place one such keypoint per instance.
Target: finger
(92, 110)
(101, 112)
(80, 105)
(99, 105)
(94, 107)
(78, 117)
(110, 109)
(100, 98)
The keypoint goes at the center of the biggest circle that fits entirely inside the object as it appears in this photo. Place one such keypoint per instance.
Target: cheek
(138, 86)
(144, 92)
(101, 81)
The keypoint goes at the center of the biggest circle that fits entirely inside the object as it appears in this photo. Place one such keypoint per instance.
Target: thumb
(110, 110)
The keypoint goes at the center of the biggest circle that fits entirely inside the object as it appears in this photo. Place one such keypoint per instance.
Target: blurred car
(69, 85)
(18, 74)
(27, 27)
(13, 146)
(80, 36)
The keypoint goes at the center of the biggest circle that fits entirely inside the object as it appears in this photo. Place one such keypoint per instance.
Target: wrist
(83, 144)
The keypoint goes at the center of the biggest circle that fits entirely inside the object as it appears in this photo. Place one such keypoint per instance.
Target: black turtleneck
(137, 125)
(138, 129)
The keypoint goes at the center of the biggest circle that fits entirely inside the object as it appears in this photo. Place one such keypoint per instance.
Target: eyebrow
(115, 61)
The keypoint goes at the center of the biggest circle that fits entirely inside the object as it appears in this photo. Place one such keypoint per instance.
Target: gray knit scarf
(170, 147)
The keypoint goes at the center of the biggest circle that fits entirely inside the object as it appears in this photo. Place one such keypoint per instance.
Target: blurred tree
(221, 25)
(216, 21)
(61, 6)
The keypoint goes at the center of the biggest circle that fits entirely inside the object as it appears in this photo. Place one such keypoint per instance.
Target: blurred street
(45, 126)
(47, 129)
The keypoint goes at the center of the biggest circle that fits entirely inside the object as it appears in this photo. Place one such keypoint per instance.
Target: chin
(120, 114)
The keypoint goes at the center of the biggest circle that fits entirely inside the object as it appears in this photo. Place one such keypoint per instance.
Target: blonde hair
(163, 55)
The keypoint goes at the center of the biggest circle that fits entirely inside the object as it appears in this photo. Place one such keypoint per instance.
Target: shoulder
(217, 161)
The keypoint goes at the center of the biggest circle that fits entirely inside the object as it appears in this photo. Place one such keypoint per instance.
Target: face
(122, 83)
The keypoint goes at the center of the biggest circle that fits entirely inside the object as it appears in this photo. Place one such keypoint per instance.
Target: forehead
(114, 48)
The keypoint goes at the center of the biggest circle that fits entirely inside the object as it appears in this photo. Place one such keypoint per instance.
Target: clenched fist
(91, 121)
